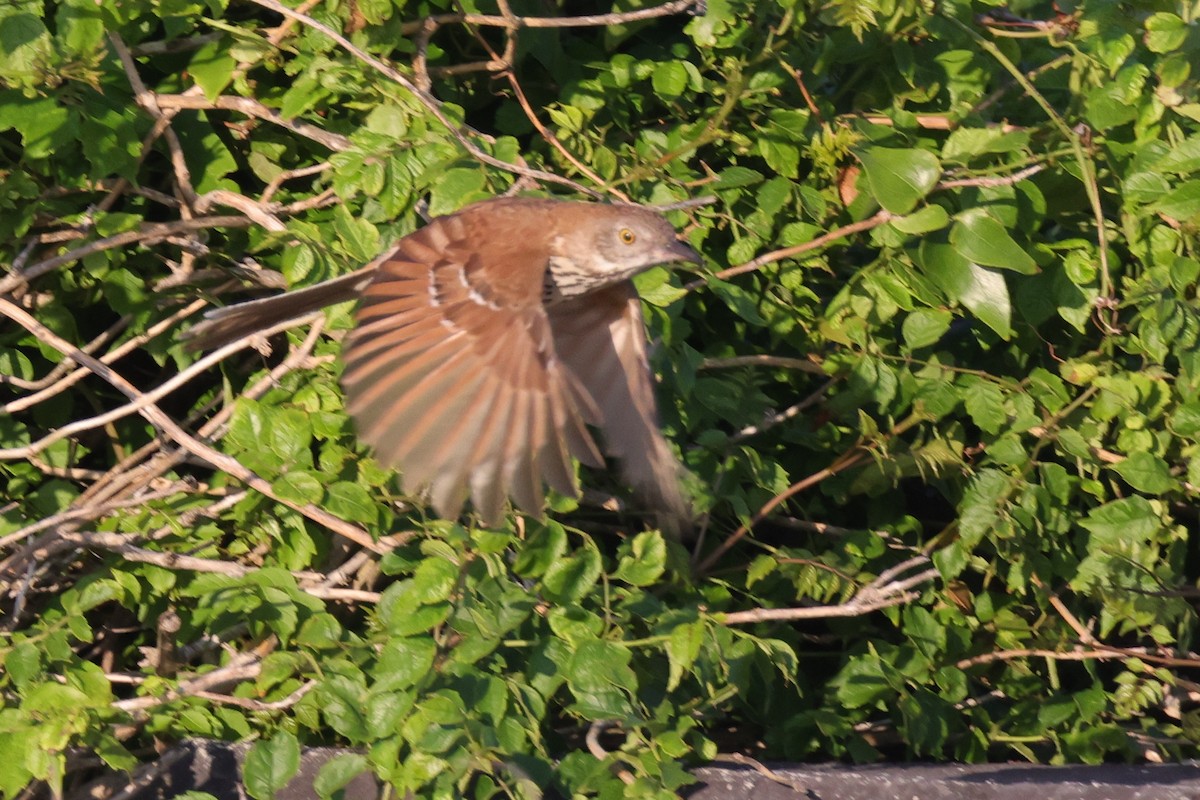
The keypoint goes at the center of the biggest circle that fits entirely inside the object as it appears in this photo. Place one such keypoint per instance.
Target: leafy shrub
(939, 390)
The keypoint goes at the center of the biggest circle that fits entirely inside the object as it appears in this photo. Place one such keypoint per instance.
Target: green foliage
(950, 311)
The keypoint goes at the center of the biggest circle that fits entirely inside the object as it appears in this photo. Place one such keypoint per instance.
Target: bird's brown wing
(601, 339)
(451, 374)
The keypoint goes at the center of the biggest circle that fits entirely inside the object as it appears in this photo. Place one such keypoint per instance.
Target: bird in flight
(486, 344)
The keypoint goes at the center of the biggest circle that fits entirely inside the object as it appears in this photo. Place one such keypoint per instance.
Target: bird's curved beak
(680, 250)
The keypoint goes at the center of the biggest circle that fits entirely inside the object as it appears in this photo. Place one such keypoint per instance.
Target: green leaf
(738, 299)
(268, 438)
(925, 719)
(899, 179)
(419, 768)
(1056, 712)
(981, 290)
(570, 578)
(302, 94)
(985, 403)
(963, 144)
(926, 220)
(337, 772)
(24, 43)
(270, 765)
(1182, 203)
(669, 79)
(598, 664)
(23, 663)
(351, 502)
(19, 747)
(456, 188)
(1183, 157)
(1129, 518)
(212, 67)
(433, 581)
(113, 223)
(925, 327)
(736, 177)
(359, 238)
(978, 237)
(387, 711)
(299, 486)
(90, 594)
(683, 648)
(655, 287)
(642, 560)
(403, 662)
(1165, 32)
(541, 549)
(861, 682)
(1186, 420)
(43, 124)
(1146, 472)
(342, 707)
(979, 510)
(782, 157)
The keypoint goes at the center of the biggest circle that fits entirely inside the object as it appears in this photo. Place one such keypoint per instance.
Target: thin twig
(731, 362)
(431, 104)
(89, 512)
(592, 740)
(766, 772)
(251, 704)
(884, 591)
(253, 108)
(781, 417)
(141, 402)
(586, 21)
(242, 667)
(148, 101)
(880, 218)
(172, 430)
(61, 368)
(147, 232)
(73, 377)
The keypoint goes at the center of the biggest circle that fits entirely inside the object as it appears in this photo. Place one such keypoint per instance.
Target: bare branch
(731, 362)
(253, 108)
(780, 417)
(79, 374)
(59, 369)
(242, 667)
(147, 100)
(883, 592)
(140, 403)
(194, 446)
(122, 545)
(431, 104)
(257, 705)
(148, 232)
(880, 218)
(586, 21)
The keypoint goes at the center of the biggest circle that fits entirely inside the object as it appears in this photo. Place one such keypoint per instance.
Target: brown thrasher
(488, 340)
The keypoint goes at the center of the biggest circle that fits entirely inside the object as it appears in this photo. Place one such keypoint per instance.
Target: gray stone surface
(729, 781)
(215, 767)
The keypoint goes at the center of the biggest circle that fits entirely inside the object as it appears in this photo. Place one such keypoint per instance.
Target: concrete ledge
(215, 767)
(734, 781)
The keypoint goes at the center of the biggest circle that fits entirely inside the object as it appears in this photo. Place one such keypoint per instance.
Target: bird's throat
(567, 277)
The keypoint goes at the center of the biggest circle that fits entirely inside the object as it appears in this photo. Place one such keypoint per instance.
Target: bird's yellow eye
(627, 236)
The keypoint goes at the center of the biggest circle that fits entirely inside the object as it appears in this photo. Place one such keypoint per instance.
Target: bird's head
(602, 245)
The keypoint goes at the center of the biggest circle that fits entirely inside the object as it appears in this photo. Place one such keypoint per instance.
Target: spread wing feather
(458, 384)
(601, 340)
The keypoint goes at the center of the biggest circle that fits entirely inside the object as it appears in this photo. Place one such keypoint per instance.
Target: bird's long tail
(224, 325)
